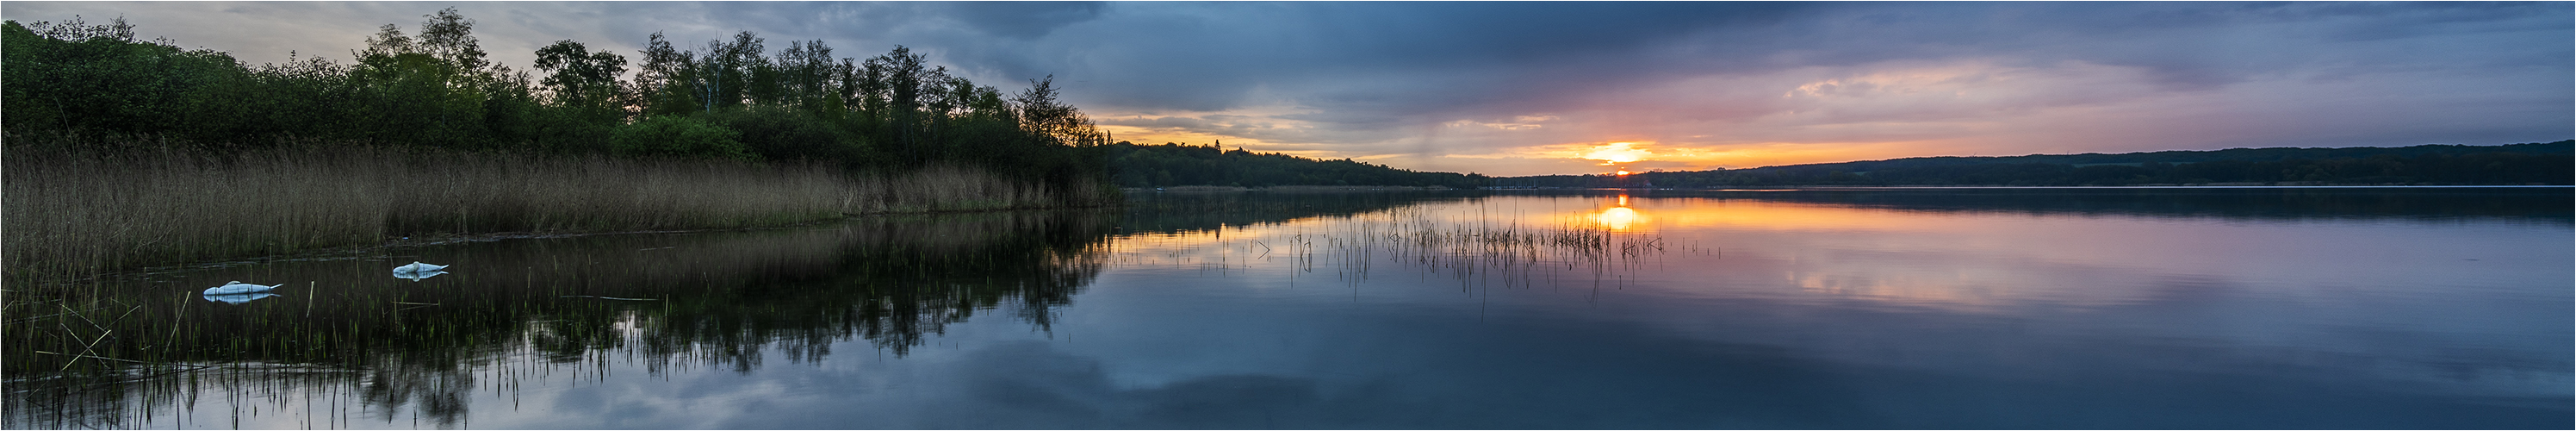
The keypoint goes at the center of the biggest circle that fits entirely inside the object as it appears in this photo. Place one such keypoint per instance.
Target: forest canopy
(433, 86)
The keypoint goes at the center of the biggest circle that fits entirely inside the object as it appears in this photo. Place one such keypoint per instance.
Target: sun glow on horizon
(1616, 153)
(1633, 156)
(1639, 156)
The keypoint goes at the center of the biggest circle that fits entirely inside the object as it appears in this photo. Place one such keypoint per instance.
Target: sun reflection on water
(1621, 217)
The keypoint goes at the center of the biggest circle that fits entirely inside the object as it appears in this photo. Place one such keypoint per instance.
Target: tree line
(1174, 164)
(2551, 163)
(730, 98)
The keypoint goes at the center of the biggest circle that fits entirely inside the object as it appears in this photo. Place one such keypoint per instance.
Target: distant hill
(2552, 163)
(1170, 164)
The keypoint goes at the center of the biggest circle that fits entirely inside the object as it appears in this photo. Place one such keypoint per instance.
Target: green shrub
(674, 136)
(778, 133)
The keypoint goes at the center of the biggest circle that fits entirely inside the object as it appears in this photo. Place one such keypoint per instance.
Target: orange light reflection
(1752, 214)
(1789, 216)
(1620, 218)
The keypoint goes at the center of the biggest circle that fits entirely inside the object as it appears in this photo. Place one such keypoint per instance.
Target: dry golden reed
(80, 205)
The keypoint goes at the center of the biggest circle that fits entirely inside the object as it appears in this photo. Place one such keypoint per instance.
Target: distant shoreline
(1796, 188)
(1283, 189)
(1335, 189)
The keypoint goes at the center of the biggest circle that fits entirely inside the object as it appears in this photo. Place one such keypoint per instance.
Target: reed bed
(1574, 236)
(1477, 250)
(79, 206)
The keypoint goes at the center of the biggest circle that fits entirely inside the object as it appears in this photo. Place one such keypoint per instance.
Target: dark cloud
(1023, 20)
(1366, 75)
(1174, 122)
(1388, 67)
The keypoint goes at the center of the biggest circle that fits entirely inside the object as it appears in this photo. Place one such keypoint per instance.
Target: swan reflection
(237, 298)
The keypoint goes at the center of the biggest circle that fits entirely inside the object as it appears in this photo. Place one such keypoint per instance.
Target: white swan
(237, 287)
(417, 276)
(416, 266)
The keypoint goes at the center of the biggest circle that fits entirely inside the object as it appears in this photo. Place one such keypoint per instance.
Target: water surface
(1946, 308)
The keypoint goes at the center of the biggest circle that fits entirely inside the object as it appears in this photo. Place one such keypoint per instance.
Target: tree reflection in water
(345, 344)
(714, 300)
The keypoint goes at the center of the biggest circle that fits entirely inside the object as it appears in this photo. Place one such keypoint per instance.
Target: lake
(2345, 308)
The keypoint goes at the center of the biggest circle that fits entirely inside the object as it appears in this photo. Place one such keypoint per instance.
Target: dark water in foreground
(2030, 308)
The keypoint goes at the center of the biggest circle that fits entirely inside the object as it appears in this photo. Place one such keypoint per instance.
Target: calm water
(1963, 308)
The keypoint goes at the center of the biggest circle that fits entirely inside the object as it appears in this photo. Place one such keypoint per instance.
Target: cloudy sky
(1522, 88)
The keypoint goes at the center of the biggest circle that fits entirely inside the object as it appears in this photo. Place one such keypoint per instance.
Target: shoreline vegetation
(81, 206)
(2539, 163)
(123, 153)
(1282, 189)
(1173, 165)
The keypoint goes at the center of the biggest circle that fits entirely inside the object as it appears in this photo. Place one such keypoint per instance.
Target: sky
(1528, 88)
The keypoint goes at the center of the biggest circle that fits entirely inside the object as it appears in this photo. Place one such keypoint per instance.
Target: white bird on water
(417, 271)
(237, 287)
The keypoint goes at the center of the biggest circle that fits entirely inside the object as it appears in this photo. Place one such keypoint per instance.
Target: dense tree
(449, 37)
(678, 136)
(76, 76)
(578, 77)
(893, 89)
(659, 83)
(730, 98)
(582, 88)
(1053, 120)
(438, 89)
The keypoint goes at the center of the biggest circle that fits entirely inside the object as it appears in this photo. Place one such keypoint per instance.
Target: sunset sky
(1523, 88)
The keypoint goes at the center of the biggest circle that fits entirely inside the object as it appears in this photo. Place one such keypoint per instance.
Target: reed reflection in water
(345, 345)
(2122, 308)
(1812, 309)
